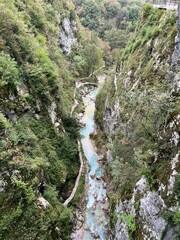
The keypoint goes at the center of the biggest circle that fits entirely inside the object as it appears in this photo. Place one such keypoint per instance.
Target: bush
(3, 122)
(9, 72)
(147, 10)
(129, 220)
(176, 189)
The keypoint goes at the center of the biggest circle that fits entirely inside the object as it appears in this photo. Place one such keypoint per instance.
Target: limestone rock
(150, 207)
(43, 202)
(67, 37)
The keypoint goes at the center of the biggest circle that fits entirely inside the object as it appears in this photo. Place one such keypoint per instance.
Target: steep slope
(138, 112)
(43, 49)
(38, 149)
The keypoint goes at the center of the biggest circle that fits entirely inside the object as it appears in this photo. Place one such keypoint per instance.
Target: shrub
(3, 122)
(9, 72)
(176, 189)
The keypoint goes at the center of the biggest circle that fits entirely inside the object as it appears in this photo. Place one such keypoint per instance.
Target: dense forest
(48, 50)
(112, 21)
(38, 137)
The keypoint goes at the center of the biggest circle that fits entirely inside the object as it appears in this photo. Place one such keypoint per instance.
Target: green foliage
(172, 219)
(24, 37)
(79, 192)
(147, 10)
(134, 150)
(113, 198)
(34, 74)
(3, 122)
(116, 38)
(92, 11)
(129, 220)
(38, 154)
(9, 72)
(114, 21)
(150, 25)
(25, 193)
(93, 58)
(176, 217)
(87, 59)
(107, 89)
(176, 189)
(143, 105)
(51, 195)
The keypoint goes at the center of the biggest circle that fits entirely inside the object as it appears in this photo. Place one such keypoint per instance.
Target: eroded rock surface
(67, 36)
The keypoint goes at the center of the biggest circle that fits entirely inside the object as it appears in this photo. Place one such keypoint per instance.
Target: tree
(88, 59)
(93, 57)
(9, 73)
(116, 38)
(91, 14)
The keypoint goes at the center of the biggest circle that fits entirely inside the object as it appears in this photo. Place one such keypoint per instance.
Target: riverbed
(96, 212)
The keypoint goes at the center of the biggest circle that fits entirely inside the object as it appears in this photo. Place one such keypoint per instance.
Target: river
(96, 212)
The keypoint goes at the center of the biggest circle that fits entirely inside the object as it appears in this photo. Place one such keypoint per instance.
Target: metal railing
(165, 4)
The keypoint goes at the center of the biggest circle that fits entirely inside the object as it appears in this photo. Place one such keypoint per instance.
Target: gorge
(96, 221)
(89, 120)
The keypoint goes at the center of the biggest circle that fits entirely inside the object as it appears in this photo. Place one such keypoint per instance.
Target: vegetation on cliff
(38, 150)
(146, 114)
(38, 137)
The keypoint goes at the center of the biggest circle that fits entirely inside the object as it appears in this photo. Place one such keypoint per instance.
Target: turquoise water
(96, 217)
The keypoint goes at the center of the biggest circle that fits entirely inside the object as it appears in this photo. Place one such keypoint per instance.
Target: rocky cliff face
(144, 171)
(67, 35)
(147, 206)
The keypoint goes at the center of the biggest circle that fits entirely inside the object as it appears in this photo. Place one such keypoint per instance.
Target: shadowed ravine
(96, 221)
(96, 213)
